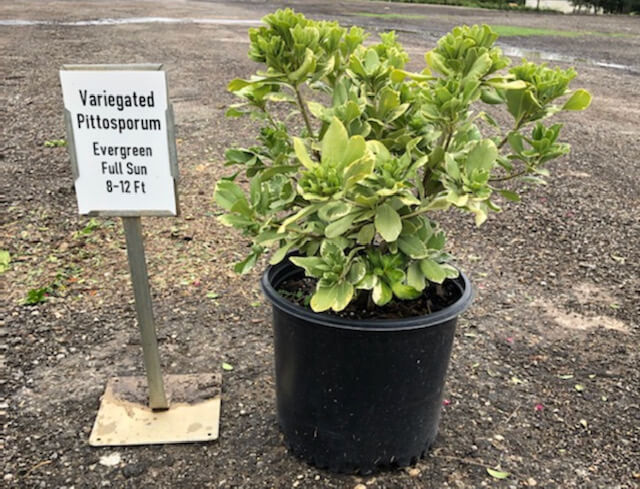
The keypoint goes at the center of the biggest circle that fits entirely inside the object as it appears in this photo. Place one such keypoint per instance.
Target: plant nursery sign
(121, 139)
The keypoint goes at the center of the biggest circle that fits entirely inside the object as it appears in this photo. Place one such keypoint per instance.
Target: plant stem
(448, 141)
(504, 140)
(270, 118)
(303, 110)
(515, 128)
(508, 177)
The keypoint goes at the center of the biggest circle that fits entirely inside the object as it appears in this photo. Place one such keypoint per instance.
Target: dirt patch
(511, 401)
(572, 321)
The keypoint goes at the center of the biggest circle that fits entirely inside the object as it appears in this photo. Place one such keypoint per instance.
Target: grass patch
(511, 30)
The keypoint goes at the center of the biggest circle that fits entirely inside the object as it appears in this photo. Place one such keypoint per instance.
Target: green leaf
(412, 246)
(366, 234)
(436, 62)
(450, 271)
(339, 227)
(323, 298)
(579, 100)
(357, 272)
(212, 295)
(505, 84)
(451, 166)
(344, 294)
(491, 96)
(388, 222)
(334, 143)
(480, 67)
(302, 213)
(516, 142)
(509, 195)
(227, 366)
(5, 259)
(357, 171)
(234, 112)
(301, 153)
(371, 61)
(227, 194)
(497, 474)
(235, 220)
(433, 271)
(382, 293)
(308, 65)
(405, 292)
(55, 143)
(482, 156)
(334, 210)
(309, 263)
(279, 255)
(247, 264)
(318, 110)
(436, 242)
(36, 296)
(521, 103)
(415, 277)
(237, 84)
(355, 150)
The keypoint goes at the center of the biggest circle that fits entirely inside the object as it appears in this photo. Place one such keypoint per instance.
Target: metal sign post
(122, 146)
(144, 311)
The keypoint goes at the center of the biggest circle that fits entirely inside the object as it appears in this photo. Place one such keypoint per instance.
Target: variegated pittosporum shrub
(356, 155)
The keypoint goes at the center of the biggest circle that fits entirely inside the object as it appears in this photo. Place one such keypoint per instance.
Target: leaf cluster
(383, 150)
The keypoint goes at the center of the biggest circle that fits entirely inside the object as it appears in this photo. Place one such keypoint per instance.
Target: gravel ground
(544, 380)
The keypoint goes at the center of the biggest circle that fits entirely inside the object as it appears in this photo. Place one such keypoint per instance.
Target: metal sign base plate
(124, 417)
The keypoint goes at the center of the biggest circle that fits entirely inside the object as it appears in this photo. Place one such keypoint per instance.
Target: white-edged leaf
(433, 271)
(381, 293)
(301, 153)
(340, 226)
(334, 143)
(415, 277)
(323, 298)
(344, 294)
(388, 222)
(412, 246)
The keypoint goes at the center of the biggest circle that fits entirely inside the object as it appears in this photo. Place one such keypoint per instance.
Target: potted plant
(356, 157)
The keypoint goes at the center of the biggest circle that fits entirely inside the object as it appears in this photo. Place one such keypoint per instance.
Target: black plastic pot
(357, 395)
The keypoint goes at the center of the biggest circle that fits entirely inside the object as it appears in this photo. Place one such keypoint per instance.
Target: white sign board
(120, 136)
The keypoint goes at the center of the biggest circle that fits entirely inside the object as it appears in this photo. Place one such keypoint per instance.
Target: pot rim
(284, 269)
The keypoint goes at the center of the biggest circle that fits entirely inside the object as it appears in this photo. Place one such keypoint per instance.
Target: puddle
(130, 20)
(534, 55)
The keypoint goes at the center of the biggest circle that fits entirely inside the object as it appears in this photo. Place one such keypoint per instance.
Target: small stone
(110, 460)
(414, 472)
(359, 486)
(8, 477)
(135, 470)
(532, 482)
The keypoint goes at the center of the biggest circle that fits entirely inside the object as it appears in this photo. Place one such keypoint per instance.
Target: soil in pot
(435, 298)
